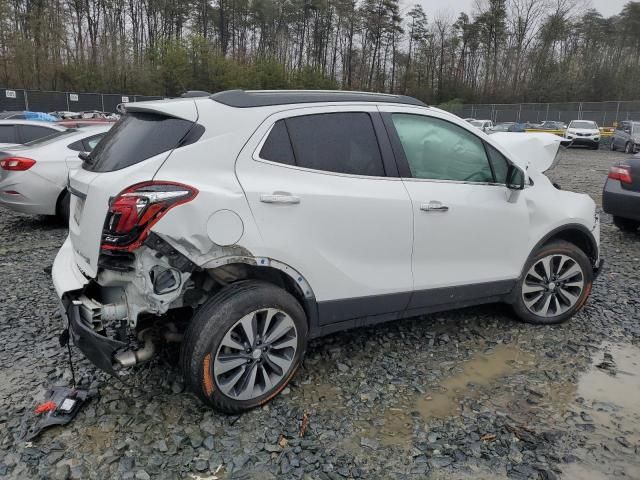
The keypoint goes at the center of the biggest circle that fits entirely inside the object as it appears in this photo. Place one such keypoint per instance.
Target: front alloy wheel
(555, 284)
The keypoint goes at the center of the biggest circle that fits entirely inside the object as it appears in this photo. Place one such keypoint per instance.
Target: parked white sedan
(15, 131)
(33, 177)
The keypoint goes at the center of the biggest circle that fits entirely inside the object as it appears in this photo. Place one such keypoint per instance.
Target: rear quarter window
(137, 137)
(29, 133)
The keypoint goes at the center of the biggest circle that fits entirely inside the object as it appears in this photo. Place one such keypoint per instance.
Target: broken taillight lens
(17, 164)
(135, 210)
(621, 173)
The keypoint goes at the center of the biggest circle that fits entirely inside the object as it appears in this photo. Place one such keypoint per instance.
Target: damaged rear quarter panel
(213, 174)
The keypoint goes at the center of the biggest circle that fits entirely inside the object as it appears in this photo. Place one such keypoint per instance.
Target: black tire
(212, 322)
(628, 148)
(558, 247)
(63, 207)
(595, 147)
(626, 224)
(612, 146)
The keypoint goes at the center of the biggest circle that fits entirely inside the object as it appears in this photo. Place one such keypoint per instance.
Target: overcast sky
(434, 7)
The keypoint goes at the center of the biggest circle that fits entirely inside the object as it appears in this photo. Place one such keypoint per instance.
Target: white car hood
(588, 131)
(530, 150)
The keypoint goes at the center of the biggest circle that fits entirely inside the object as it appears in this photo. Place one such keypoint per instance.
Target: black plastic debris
(60, 406)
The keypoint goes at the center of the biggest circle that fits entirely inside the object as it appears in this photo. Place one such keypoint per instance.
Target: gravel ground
(465, 394)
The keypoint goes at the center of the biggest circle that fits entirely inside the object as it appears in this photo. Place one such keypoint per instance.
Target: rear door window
(29, 133)
(137, 137)
(343, 142)
(7, 134)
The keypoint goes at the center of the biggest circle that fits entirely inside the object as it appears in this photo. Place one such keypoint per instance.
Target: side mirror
(515, 178)
(84, 156)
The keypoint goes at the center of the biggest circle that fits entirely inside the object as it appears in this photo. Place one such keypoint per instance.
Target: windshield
(583, 124)
(477, 123)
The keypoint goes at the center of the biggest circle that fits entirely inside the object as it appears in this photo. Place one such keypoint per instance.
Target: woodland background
(501, 51)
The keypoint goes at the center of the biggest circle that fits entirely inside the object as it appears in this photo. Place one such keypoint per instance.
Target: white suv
(583, 132)
(244, 224)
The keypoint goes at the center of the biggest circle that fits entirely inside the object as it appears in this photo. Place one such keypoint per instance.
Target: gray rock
(142, 475)
(209, 442)
(369, 443)
(125, 465)
(161, 446)
(62, 472)
(342, 367)
(440, 461)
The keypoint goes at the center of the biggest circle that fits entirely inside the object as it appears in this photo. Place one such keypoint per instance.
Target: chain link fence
(45, 101)
(605, 114)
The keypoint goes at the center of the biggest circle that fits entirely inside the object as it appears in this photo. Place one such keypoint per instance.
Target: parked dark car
(626, 137)
(621, 194)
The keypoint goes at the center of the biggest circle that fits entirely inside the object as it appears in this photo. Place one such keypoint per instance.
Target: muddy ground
(465, 394)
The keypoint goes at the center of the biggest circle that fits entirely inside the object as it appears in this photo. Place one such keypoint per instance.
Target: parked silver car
(484, 125)
(18, 132)
(626, 137)
(33, 177)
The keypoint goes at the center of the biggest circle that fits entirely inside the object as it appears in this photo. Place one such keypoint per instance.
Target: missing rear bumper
(98, 348)
(110, 354)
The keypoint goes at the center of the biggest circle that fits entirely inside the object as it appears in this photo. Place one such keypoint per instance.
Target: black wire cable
(73, 372)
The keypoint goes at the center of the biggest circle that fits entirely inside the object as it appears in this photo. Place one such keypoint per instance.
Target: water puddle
(481, 370)
(395, 428)
(608, 405)
(320, 395)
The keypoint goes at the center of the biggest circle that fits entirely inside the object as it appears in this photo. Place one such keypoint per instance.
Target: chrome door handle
(283, 198)
(434, 206)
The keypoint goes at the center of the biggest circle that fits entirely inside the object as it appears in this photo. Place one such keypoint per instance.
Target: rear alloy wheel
(244, 345)
(555, 285)
(255, 354)
(628, 148)
(626, 224)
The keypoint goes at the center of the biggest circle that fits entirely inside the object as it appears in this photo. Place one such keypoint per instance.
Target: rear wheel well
(232, 273)
(62, 209)
(581, 239)
(60, 197)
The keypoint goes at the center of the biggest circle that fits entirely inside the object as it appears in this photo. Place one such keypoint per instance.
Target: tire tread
(194, 348)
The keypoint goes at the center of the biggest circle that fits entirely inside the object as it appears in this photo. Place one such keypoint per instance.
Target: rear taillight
(622, 173)
(17, 164)
(135, 210)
